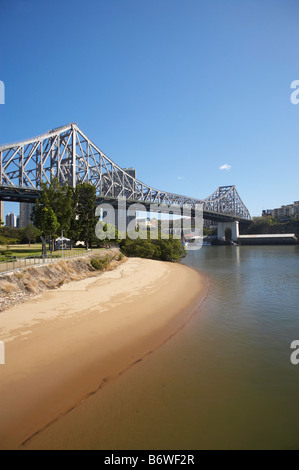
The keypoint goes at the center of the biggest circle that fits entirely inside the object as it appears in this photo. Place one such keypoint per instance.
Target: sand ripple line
(107, 380)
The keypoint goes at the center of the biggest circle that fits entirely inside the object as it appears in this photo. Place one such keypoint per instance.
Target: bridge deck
(67, 154)
(17, 194)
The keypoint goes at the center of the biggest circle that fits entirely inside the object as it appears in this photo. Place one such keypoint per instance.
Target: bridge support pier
(222, 226)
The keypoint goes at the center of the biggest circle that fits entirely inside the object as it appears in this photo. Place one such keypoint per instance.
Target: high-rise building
(286, 211)
(11, 220)
(25, 214)
(117, 177)
(130, 171)
(131, 190)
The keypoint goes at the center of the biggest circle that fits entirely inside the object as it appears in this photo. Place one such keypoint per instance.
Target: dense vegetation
(266, 225)
(72, 211)
(64, 209)
(60, 209)
(100, 263)
(164, 250)
(12, 236)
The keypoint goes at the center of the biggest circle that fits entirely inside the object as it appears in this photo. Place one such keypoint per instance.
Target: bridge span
(67, 154)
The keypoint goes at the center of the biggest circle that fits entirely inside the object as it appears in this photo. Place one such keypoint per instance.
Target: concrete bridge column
(221, 231)
(222, 226)
(235, 230)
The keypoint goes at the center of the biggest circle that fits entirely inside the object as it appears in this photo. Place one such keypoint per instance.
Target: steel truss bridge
(67, 154)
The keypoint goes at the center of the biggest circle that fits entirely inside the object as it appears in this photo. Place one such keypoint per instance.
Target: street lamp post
(62, 243)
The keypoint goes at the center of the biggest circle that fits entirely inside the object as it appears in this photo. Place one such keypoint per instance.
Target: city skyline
(11, 220)
(194, 95)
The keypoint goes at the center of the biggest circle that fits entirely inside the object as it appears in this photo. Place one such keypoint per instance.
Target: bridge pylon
(222, 226)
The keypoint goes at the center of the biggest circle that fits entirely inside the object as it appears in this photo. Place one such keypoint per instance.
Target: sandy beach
(64, 346)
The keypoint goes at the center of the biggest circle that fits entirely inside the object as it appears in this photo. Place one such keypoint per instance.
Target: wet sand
(66, 345)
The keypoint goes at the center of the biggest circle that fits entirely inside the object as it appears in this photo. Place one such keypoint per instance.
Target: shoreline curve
(144, 303)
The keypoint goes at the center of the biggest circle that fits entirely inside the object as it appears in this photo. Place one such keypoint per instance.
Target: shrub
(164, 250)
(99, 263)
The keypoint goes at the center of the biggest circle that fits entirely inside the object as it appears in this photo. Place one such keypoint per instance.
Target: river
(226, 381)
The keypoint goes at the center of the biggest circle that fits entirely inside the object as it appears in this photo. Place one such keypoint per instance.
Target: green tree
(53, 212)
(170, 250)
(4, 241)
(138, 248)
(60, 199)
(31, 233)
(104, 233)
(9, 235)
(270, 225)
(164, 250)
(46, 221)
(12, 233)
(84, 220)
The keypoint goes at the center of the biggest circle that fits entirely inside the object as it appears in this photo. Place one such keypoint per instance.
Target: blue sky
(174, 88)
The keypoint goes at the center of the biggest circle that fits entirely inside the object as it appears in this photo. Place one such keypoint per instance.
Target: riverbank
(20, 285)
(66, 345)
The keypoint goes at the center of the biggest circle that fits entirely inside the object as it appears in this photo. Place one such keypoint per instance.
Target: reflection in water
(237, 255)
(226, 381)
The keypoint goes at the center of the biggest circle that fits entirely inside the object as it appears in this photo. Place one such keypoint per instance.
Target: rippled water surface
(225, 381)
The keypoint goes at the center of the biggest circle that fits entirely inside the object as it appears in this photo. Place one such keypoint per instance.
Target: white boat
(193, 243)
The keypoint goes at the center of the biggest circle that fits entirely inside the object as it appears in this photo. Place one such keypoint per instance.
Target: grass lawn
(23, 251)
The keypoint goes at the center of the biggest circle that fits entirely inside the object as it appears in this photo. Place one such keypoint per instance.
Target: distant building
(130, 171)
(11, 220)
(296, 209)
(284, 212)
(18, 221)
(131, 190)
(209, 223)
(25, 214)
(267, 213)
(120, 179)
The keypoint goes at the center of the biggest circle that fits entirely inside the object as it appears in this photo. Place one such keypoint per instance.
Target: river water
(226, 381)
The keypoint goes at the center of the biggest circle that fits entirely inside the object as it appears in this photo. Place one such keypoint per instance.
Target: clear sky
(174, 88)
